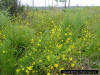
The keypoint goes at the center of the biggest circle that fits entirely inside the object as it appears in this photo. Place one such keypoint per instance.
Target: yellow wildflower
(66, 34)
(59, 46)
(72, 65)
(18, 70)
(74, 61)
(48, 58)
(84, 38)
(40, 60)
(33, 63)
(4, 52)
(70, 58)
(69, 49)
(4, 36)
(62, 40)
(36, 71)
(48, 73)
(38, 44)
(64, 57)
(27, 22)
(40, 32)
(29, 68)
(99, 49)
(72, 46)
(70, 33)
(62, 68)
(56, 65)
(39, 40)
(51, 67)
(27, 72)
(22, 68)
(82, 67)
(68, 39)
(32, 41)
(52, 21)
(30, 54)
(57, 74)
(71, 40)
(64, 74)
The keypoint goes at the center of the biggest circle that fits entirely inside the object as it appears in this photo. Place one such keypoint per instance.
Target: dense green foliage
(12, 6)
(44, 42)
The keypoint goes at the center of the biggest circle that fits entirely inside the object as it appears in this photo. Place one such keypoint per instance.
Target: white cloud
(73, 2)
(85, 2)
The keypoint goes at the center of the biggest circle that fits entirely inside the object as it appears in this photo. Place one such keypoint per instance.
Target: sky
(39, 3)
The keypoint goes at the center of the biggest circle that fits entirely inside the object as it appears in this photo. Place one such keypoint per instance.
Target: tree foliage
(11, 5)
(64, 2)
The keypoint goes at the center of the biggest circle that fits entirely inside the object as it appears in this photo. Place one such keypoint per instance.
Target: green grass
(44, 42)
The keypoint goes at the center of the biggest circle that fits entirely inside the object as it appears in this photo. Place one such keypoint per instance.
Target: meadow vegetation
(44, 42)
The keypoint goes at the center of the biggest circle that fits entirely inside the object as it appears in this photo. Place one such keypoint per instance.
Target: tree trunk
(57, 3)
(52, 3)
(69, 4)
(14, 8)
(45, 4)
(65, 3)
(33, 3)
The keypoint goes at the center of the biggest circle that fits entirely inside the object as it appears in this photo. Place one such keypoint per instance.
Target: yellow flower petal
(56, 65)
(48, 74)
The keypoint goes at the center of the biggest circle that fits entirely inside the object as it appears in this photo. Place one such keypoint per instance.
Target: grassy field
(44, 42)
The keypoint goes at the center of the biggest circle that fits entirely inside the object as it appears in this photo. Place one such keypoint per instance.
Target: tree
(69, 4)
(64, 2)
(57, 2)
(45, 4)
(33, 3)
(11, 5)
(52, 3)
